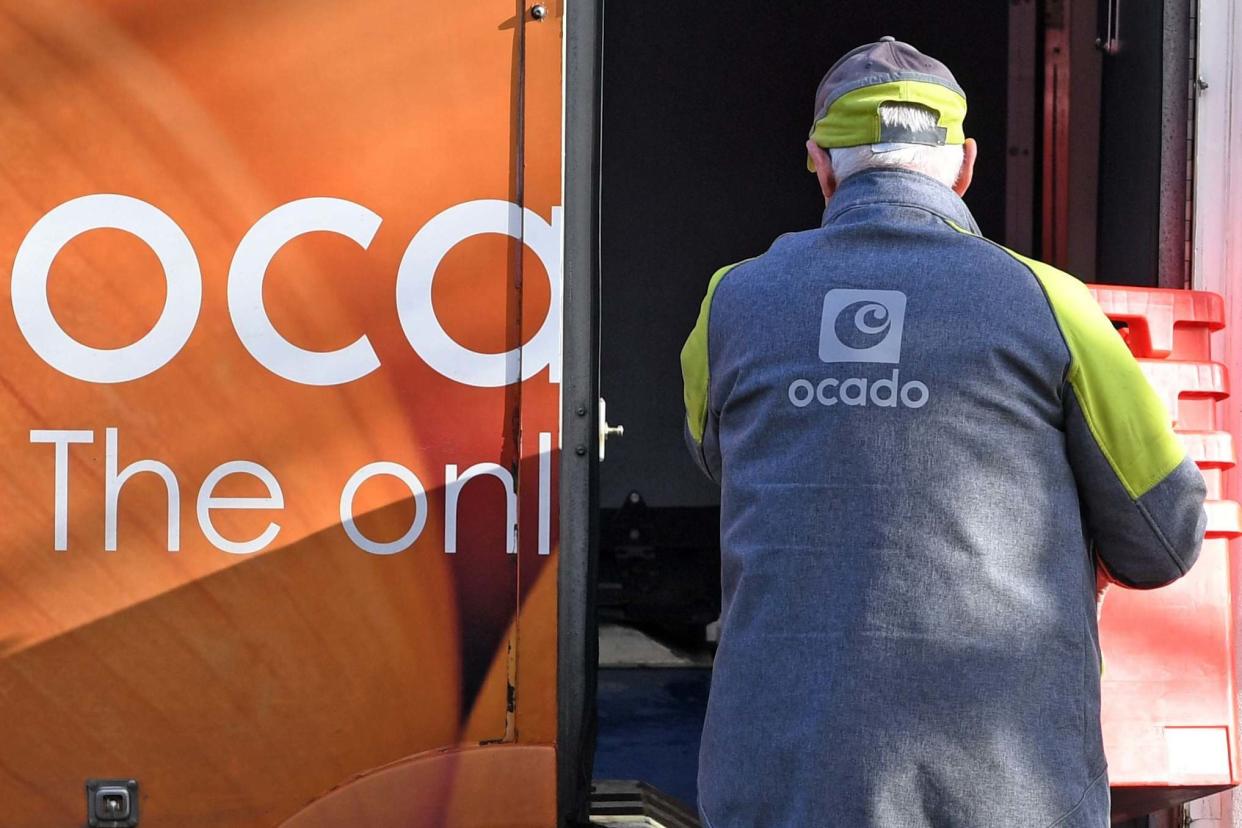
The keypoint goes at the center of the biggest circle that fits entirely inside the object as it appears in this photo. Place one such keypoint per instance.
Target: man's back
(894, 408)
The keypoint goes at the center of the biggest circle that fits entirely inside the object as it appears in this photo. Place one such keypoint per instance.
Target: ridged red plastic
(1170, 730)
(1185, 386)
(1161, 322)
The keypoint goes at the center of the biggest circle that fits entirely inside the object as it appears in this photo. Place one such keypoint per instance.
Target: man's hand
(1102, 583)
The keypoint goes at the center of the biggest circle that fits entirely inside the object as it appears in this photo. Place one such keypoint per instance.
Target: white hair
(942, 163)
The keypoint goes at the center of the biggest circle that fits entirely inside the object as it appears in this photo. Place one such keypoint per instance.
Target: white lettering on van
(246, 275)
(114, 480)
(207, 501)
(410, 479)
(61, 438)
(415, 274)
(453, 485)
(417, 312)
(34, 315)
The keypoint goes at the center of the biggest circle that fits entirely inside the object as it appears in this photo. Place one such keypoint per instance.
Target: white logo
(862, 326)
(889, 392)
(415, 311)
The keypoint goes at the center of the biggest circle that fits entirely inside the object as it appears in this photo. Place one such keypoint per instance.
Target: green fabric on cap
(853, 119)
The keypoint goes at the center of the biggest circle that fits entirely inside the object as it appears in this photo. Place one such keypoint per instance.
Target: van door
(279, 407)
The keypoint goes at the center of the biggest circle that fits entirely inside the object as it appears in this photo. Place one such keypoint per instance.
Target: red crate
(1209, 449)
(1164, 323)
(1189, 390)
(1167, 711)
(1170, 729)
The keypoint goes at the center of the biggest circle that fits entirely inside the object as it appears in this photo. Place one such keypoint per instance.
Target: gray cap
(890, 71)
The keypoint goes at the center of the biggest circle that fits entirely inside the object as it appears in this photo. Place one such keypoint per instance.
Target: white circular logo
(34, 314)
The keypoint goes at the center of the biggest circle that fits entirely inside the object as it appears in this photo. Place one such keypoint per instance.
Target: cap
(847, 102)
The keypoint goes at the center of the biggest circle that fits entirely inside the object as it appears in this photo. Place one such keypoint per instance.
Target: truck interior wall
(1143, 129)
(705, 109)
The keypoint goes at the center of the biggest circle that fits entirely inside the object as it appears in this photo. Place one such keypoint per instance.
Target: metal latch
(606, 430)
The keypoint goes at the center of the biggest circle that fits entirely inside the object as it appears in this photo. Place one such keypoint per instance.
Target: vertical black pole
(577, 641)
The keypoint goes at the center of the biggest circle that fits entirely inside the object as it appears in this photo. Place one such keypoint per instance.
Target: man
(925, 444)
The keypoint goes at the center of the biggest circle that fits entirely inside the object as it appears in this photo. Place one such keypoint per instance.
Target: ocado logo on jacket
(861, 326)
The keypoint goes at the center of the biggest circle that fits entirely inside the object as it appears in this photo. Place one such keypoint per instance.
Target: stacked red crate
(1169, 724)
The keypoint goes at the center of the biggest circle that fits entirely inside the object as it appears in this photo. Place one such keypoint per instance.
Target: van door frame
(1217, 263)
(577, 642)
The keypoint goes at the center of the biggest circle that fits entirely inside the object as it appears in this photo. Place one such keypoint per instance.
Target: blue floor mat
(650, 721)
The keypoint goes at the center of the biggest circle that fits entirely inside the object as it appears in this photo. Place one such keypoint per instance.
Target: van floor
(650, 721)
(651, 700)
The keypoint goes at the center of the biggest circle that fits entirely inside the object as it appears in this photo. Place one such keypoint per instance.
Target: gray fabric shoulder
(787, 243)
(748, 269)
(1019, 269)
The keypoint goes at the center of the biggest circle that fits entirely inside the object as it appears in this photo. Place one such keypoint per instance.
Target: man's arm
(1142, 496)
(706, 452)
(701, 426)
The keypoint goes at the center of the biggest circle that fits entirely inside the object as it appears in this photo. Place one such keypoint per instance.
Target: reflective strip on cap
(853, 119)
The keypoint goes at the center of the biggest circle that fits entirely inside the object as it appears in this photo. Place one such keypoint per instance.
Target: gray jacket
(923, 442)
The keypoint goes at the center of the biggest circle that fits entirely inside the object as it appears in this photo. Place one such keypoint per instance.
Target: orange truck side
(280, 410)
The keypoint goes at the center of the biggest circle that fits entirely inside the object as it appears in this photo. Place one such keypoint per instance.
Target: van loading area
(1084, 123)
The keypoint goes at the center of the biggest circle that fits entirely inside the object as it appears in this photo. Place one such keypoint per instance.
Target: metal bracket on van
(112, 803)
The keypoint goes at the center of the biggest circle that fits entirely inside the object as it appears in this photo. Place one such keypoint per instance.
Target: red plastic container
(1189, 389)
(1164, 323)
(1170, 729)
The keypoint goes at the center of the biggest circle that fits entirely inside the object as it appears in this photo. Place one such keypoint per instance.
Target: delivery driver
(925, 444)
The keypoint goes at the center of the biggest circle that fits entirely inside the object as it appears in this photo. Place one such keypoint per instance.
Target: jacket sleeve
(702, 422)
(1141, 495)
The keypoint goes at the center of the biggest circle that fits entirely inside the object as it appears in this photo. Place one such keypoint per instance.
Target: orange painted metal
(1170, 728)
(239, 686)
(502, 785)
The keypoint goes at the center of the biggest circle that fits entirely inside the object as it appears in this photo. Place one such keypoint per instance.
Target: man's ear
(967, 173)
(823, 168)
